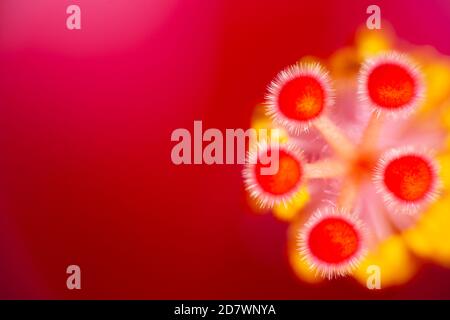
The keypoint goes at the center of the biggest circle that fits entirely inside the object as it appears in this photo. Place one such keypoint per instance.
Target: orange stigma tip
(332, 242)
(407, 179)
(288, 176)
(302, 98)
(282, 182)
(390, 82)
(391, 86)
(298, 95)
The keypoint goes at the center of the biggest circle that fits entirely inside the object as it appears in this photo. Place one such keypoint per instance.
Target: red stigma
(391, 86)
(285, 180)
(302, 98)
(409, 177)
(333, 240)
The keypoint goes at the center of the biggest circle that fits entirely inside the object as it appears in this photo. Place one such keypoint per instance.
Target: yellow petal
(260, 121)
(437, 83)
(372, 42)
(396, 263)
(286, 212)
(344, 63)
(429, 237)
(301, 268)
(444, 169)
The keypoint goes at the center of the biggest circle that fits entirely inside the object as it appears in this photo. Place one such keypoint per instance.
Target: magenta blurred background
(85, 123)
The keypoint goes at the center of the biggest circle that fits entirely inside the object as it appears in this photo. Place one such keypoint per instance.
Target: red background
(85, 123)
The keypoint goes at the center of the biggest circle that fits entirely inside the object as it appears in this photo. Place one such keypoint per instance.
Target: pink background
(85, 124)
